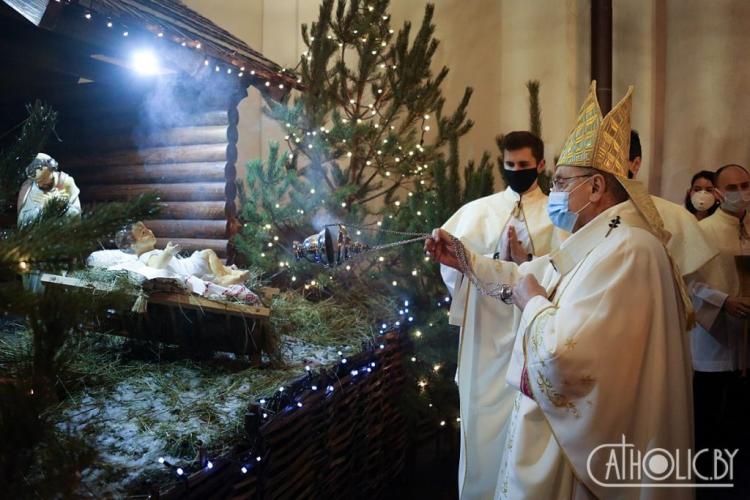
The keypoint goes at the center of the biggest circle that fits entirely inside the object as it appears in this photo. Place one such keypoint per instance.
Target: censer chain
(501, 291)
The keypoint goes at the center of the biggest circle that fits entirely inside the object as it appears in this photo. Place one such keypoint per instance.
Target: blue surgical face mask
(557, 209)
(735, 201)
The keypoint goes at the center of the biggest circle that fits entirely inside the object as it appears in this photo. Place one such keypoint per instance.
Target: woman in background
(700, 199)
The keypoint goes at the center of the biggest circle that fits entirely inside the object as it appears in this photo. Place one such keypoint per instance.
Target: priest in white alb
(722, 310)
(509, 225)
(600, 353)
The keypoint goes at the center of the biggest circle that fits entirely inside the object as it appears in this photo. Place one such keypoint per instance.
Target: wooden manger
(192, 322)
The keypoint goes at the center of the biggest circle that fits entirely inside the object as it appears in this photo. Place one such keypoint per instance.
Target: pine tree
(368, 144)
(367, 129)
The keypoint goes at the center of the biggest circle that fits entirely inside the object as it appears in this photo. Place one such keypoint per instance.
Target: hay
(137, 401)
(349, 319)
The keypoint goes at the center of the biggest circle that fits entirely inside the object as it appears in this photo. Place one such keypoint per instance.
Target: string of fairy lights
(409, 161)
(126, 30)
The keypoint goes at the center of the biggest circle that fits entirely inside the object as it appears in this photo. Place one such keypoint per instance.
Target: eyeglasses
(559, 183)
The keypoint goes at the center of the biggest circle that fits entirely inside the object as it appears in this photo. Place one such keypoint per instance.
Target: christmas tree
(369, 145)
(33, 456)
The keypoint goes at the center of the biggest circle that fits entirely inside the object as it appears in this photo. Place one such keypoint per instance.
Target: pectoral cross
(613, 224)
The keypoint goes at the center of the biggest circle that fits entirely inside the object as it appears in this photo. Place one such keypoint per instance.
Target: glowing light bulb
(145, 62)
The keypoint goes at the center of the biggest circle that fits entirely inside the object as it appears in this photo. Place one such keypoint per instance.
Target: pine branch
(535, 110)
(35, 132)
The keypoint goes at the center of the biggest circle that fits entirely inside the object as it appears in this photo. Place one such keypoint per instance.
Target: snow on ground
(165, 409)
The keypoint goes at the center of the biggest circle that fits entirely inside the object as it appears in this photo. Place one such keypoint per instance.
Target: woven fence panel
(339, 434)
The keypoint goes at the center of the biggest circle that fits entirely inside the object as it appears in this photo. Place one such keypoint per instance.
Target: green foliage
(35, 131)
(535, 110)
(366, 143)
(34, 457)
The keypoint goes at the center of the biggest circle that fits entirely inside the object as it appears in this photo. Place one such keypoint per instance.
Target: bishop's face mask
(558, 211)
(521, 180)
(735, 201)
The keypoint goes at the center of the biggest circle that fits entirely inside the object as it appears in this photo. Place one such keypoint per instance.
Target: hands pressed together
(440, 248)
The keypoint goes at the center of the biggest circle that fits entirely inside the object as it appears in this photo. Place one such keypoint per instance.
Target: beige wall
(686, 58)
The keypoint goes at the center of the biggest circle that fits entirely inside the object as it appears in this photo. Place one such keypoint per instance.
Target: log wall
(115, 149)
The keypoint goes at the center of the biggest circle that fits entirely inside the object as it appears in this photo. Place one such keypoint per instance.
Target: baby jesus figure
(203, 264)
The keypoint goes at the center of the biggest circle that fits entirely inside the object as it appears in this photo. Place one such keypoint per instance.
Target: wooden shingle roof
(198, 38)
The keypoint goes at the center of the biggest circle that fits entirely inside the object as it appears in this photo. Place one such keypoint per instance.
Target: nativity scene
(329, 250)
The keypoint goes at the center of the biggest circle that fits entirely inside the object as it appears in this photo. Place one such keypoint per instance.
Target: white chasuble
(605, 356)
(688, 246)
(483, 356)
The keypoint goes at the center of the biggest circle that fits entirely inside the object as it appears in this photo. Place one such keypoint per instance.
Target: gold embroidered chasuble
(607, 356)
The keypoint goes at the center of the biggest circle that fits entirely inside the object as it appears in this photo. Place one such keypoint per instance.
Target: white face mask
(702, 200)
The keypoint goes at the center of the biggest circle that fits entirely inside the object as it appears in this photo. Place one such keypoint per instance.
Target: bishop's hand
(525, 289)
(440, 248)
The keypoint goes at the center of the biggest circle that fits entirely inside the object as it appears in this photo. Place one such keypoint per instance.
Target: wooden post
(230, 172)
(601, 51)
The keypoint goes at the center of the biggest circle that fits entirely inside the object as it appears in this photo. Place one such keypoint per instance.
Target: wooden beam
(143, 174)
(200, 229)
(178, 154)
(659, 85)
(194, 210)
(189, 301)
(197, 191)
(601, 51)
(180, 136)
(193, 244)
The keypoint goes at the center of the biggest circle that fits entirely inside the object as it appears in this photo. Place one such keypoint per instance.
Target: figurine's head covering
(603, 143)
(42, 160)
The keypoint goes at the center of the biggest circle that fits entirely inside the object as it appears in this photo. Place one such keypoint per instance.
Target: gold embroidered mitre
(578, 150)
(603, 143)
(600, 143)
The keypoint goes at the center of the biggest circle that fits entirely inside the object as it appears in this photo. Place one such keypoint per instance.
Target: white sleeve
(707, 302)
(451, 278)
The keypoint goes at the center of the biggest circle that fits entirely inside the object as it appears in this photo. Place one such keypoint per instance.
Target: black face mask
(521, 180)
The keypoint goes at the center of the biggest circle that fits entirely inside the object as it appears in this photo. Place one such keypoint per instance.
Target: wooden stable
(122, 133)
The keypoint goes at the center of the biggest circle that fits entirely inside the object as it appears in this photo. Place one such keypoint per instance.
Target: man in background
(719, 341)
